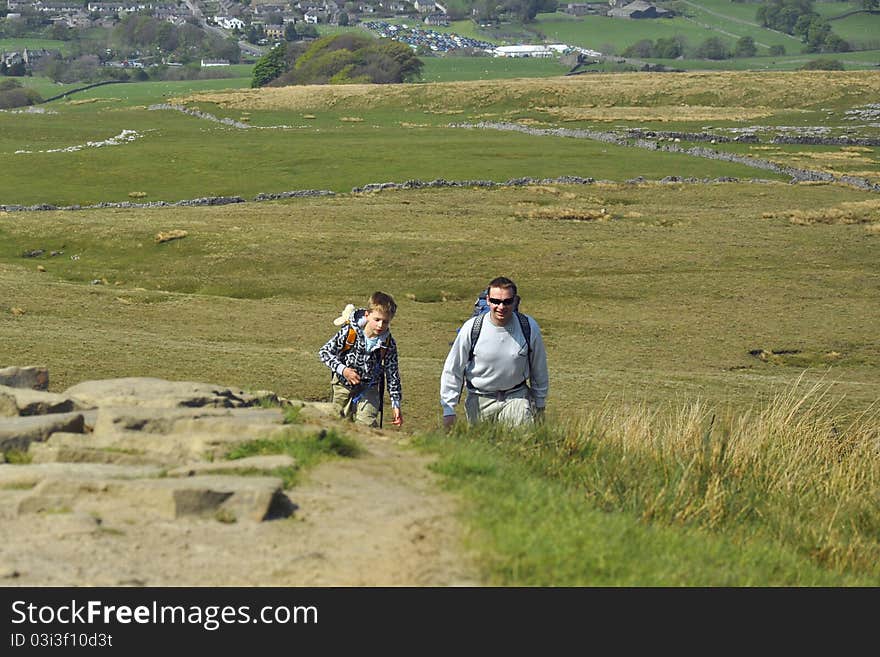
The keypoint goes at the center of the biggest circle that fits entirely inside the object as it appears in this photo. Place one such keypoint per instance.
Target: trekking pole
(381, 395)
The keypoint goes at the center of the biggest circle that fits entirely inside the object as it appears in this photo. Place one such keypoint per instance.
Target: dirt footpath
(376, 520)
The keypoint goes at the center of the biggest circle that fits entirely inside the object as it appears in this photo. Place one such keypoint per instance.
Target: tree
(822, 65)
(290, 32)
(343, 19)
(712, 48)
(13, 94)
(269, 66)
(350, 57)
(641, 49)
(782, 15)
(668, 48)
(745, 47)
(777, 50)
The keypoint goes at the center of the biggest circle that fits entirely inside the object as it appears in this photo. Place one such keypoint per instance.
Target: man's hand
(448, 421)
(539, 415)
(351, 376)
(398, 417)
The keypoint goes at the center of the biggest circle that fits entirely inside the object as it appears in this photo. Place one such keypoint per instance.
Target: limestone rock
(261, 463)
(19, 432)
(157, 393)
(25, 401)
(228, 498)
(33, 377)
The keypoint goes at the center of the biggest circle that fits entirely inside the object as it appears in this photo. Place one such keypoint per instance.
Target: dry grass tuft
(854, 212)
(175, 234)
(567, 214)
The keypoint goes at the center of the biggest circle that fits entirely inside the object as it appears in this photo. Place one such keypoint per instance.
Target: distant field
(447, 69)
(862, 30)
(340, 137)
(7, 45)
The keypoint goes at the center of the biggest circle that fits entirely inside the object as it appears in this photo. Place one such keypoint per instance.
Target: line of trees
(675, 47)
(798, 18)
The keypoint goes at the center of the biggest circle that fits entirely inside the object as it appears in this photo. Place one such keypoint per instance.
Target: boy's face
(377, 322)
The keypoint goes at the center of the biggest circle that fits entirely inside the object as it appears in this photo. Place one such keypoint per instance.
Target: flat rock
(32, 474)
(24, 401)
(186, 420)
(260, 463)
(31, 376)
(19, 432)
(157, 393)
(227, 498)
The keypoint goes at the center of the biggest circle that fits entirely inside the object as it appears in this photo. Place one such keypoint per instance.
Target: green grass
(536, 500)
(180, 157)
(861, 30)
(452, 68)
(13, 44)
(308, 452)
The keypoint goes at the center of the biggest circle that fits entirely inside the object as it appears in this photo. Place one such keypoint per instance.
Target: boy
(360, 353)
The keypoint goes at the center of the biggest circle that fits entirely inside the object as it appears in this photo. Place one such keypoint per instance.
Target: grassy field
(715, 368)
(15, 44)
(450, 68)
(399, 133)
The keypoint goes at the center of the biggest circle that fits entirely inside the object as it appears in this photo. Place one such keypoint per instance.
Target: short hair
(504, 283)
(383, 302)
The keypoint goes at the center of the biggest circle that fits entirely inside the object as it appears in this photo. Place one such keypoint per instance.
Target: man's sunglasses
(501, 302)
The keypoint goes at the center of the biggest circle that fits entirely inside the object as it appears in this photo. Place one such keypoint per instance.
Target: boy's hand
(351, 376)
(398, 417)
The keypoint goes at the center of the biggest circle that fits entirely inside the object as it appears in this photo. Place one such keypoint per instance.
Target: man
(500, 357)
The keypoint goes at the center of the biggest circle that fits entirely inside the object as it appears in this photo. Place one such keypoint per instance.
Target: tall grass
(791, 472)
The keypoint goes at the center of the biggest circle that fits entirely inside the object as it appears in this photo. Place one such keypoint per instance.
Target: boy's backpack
(481, 307)
(345, 318)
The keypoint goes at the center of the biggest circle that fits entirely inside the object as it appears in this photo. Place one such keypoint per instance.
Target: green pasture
(179, 156)
(613, 35)
(862, 30)
(451, 68)
(19, 43)
(792, 61)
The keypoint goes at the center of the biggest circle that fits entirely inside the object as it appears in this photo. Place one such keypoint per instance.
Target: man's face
(500, 304)
(377, 322)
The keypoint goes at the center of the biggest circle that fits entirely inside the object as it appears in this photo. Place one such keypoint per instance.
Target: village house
(585, 8)
(639, 9)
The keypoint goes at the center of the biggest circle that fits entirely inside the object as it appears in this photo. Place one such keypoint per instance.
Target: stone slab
(24, 401)
(19, 432)
(227, 498)
(157, 393)
(261, 463)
